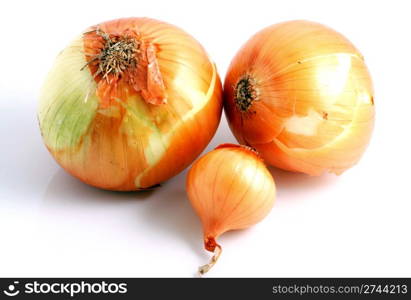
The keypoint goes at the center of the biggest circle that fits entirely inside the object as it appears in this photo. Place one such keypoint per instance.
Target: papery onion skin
(313, 108)
(229, 188)
(137, 129)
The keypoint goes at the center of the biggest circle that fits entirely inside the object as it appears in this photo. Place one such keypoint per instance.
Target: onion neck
(245, 93)
(211, 245)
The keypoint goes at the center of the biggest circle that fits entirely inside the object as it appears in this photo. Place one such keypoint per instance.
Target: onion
(129, 104)
(229, 188)
(300, 93)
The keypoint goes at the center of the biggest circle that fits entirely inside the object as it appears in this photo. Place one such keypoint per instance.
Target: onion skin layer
(314, 109)
(229, 188)
(113, 135)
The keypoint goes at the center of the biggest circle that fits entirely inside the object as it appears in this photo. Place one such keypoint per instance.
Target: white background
(51, 224)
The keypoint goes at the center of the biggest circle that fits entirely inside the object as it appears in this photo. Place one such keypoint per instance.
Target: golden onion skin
(131, 130)
(312, 104)
(229, 188)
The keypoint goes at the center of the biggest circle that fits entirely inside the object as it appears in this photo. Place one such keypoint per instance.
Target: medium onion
(130, 103)
(229, 188)
(300, 93)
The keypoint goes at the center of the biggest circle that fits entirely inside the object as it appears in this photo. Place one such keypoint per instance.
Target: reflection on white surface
(128, 219)
(25, 165)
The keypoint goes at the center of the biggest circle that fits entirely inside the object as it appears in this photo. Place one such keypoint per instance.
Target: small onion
(130, 103)
(301, 95)
(229, 188)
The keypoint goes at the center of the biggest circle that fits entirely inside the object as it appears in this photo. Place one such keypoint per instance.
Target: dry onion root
(301, 95)
(229, 188)
(130, 103)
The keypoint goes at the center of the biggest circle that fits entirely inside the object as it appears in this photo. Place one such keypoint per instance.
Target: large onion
(300, 93)
(130, 103)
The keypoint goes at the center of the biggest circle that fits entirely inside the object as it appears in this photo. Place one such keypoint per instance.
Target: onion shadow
(166, 210)
(170, 213)
(293, 185)
(65, 190)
